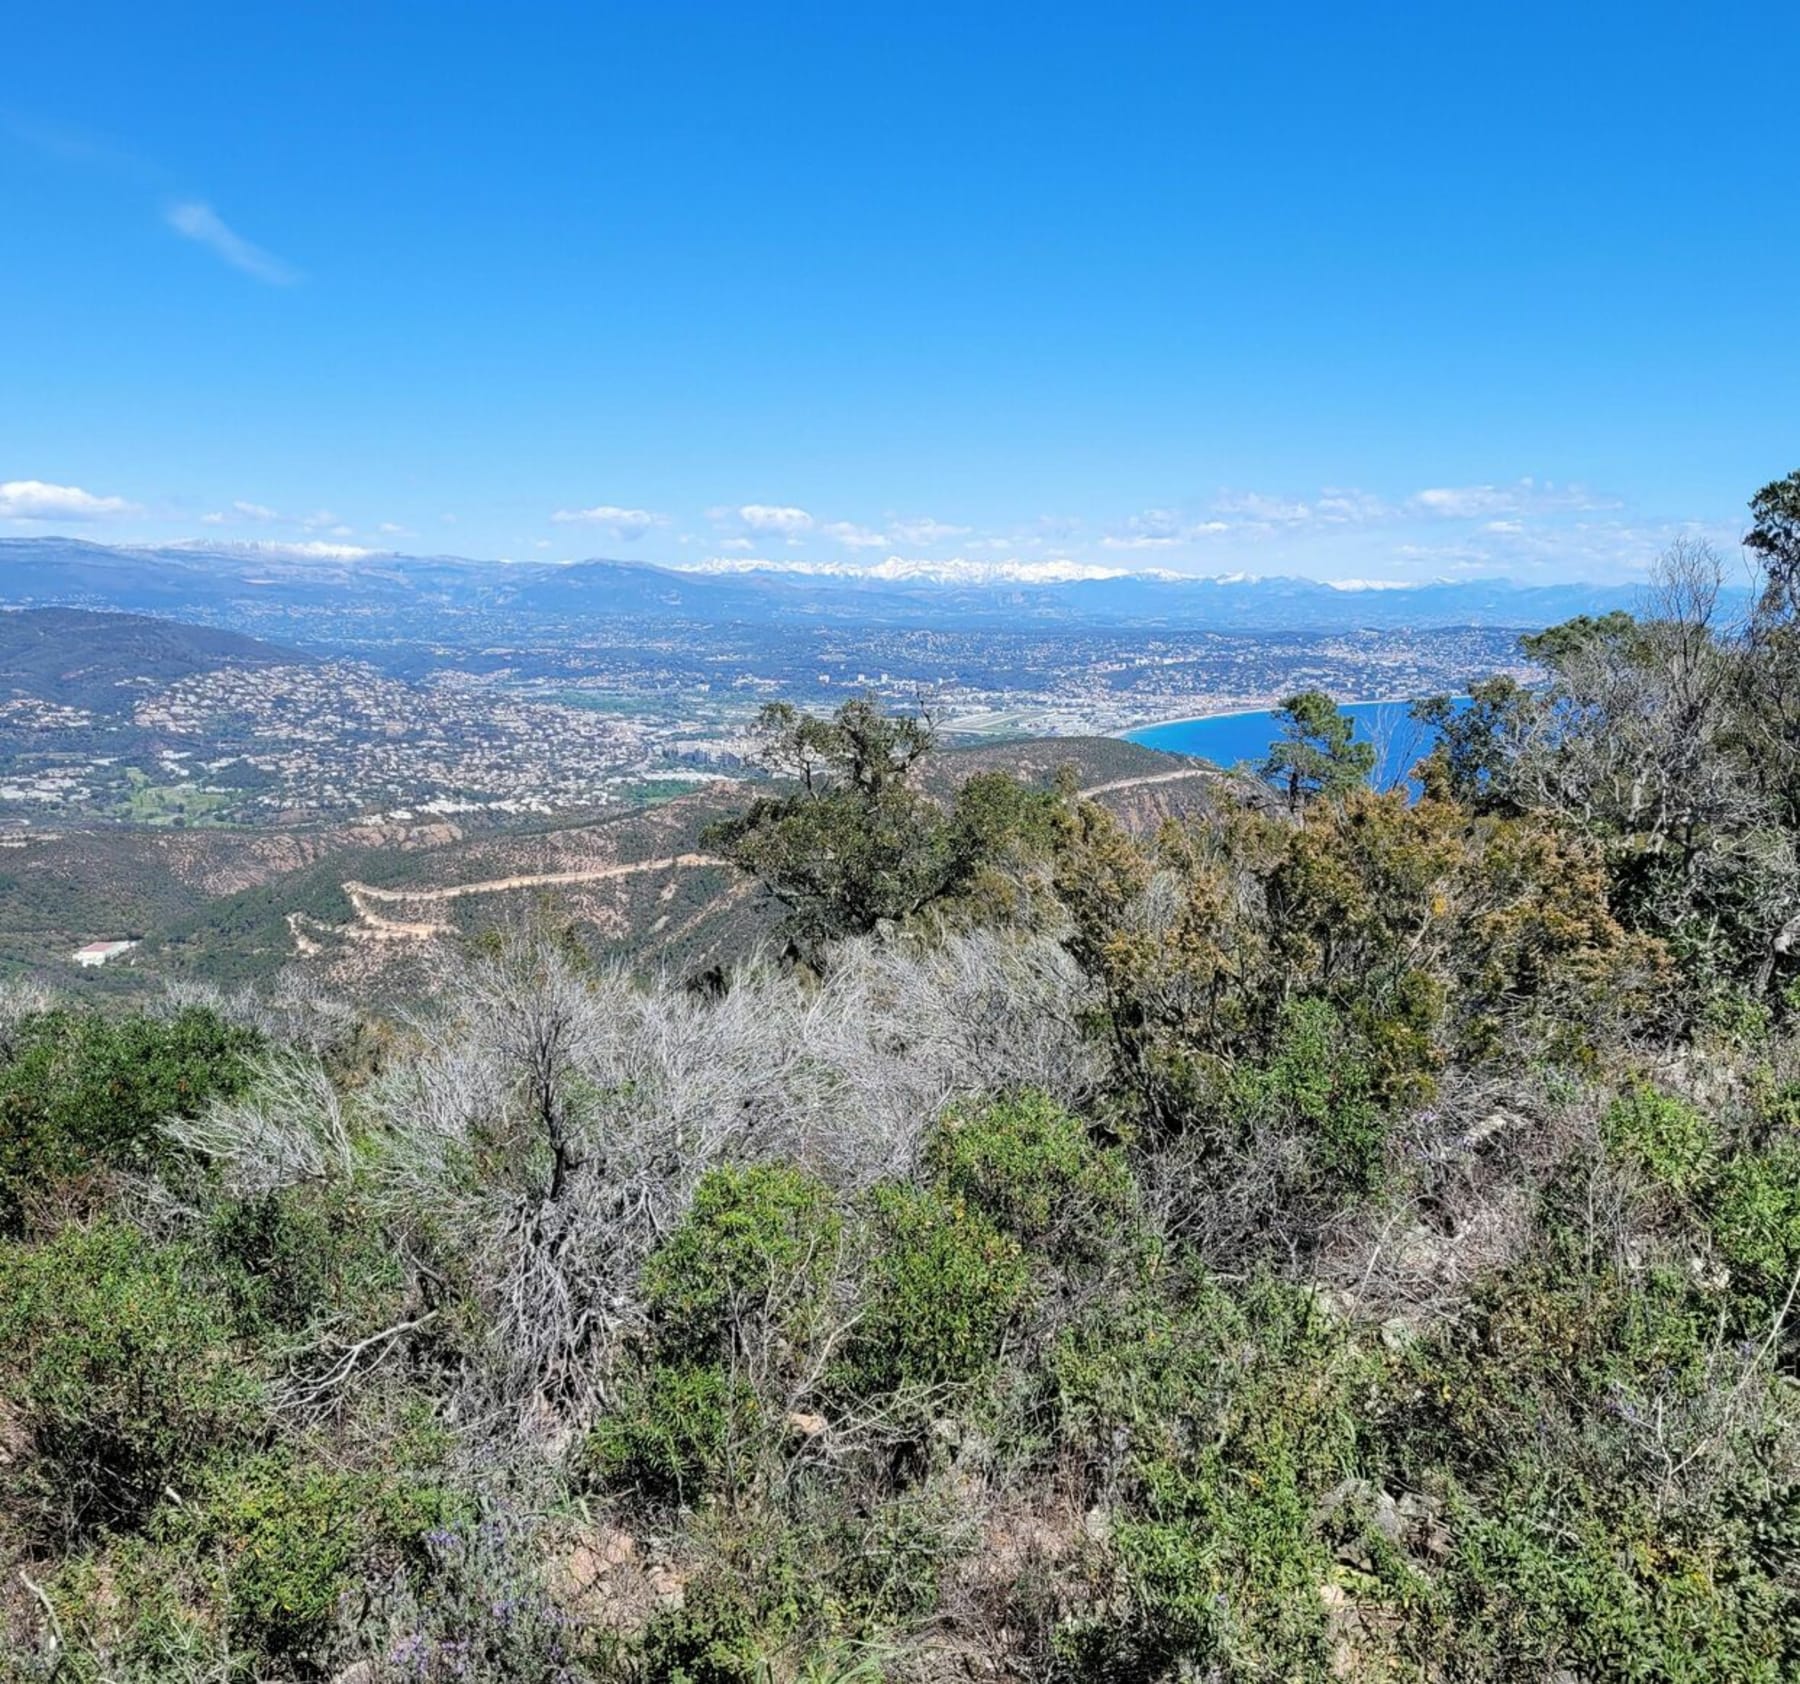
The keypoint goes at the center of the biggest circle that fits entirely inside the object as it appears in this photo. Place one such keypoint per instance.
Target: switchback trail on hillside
(391, 929)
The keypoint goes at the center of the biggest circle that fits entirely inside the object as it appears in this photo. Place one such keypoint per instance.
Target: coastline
(1251, 713)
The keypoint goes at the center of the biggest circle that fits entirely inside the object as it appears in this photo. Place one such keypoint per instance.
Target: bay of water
(1228, 738)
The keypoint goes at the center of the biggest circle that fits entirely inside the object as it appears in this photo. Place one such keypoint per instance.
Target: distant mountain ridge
(212, 579)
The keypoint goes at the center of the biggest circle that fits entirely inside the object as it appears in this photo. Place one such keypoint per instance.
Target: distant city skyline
(1368, 297)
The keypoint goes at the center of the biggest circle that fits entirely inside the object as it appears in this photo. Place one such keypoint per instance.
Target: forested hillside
(1332, 1237)
(105, 662)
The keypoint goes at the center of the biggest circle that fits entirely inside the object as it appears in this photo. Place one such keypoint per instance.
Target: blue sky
(1349, 290)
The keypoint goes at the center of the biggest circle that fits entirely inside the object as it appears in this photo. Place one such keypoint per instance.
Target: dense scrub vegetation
(1348, 1237)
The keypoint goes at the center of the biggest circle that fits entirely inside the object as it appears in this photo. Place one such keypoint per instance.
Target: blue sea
(1229, 738)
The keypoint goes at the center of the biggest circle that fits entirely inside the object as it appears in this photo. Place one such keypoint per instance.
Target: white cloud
(627, 525)
(1526, 496)
(956, 570)
(926, 531)
(1341, 506)
(1466, 502)
(241, 511)
(195, 220)
(854, 537)
(1264, 510)
(312, 549)
(1333, 506)
(36, 499)
(786, 521)
(1161, 529)
(393, 529)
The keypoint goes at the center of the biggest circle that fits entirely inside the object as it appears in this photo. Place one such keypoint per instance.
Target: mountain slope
(102, 661)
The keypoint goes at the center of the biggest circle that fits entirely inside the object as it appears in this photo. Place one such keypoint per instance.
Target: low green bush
(291, 1257)
(1609, 1508)
(716, 1636)
(1034, 1169)
(1220, 1424)
(117, 1367)
(130, 1609)
(1317, 1077)
(290, 1541)
(1754, 1218)
(294, 1538)
(82, 1091)
(672, 1435)
(941, 1284)
(760, 1241)
(1663, 1134)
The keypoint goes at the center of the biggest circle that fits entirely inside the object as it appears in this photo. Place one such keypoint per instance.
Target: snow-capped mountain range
(217, 581)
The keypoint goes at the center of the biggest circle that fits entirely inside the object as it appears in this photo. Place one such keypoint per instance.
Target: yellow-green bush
(117, 1365)
(1037, 1172)
(941, 1283)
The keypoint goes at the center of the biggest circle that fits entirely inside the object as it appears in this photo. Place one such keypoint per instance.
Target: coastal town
(586, 722)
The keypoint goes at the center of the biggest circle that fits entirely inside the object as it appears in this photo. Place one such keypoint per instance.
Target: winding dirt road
(540, 880)
(374, 925)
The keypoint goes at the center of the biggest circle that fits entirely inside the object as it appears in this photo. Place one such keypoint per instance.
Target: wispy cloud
(626, 525)
(1526, 496)
(923, 530)
(1161, 529)
(782, 519)
(240, 511)
(36, 499)
(312, 549)
(196, 220)
(1263, 510)
(854, 537)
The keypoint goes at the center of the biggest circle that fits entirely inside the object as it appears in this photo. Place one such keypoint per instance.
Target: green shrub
(802, 1597)
(1663, 1134)
(290, 1541)
(1035, 1171)
(1755, 1222)
(115, 1362)
(756, 1241)
(1543, 1420)
(672, 1435)
(81, 1092)
(1778, 1107)
(131, 1610)
(1222, 1423)
(293, 1538)
(1316, 1076)
(941, 1286)
(714, 1637)
(291, 1257)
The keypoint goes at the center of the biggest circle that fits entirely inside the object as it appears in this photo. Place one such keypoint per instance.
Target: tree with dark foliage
(854, 843)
